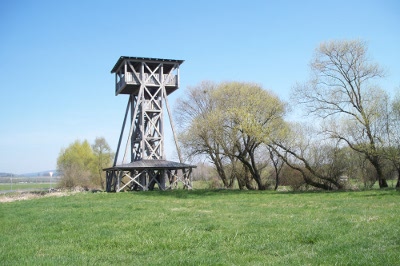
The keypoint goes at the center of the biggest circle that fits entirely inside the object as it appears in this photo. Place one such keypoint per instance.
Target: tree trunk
(276, 182)
(241, 183)
(258, 180)
(248, 179)
(220, 168)
(277, 169)
(234, 173)
(398, 179)
(381, 179)
(248, 161)
(383, 183)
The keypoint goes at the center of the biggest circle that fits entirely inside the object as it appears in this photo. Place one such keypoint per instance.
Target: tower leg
(110, 180)
(143, 181)
(162, 178)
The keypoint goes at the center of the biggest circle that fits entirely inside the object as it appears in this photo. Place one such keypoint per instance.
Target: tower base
(146, 174)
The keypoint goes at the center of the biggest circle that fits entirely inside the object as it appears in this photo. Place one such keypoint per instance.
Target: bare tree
(277, 163)
(342, 91)
(316, 159)
(392, 149)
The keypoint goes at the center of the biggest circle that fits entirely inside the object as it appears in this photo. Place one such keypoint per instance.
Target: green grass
(203, 227)
(22, 186)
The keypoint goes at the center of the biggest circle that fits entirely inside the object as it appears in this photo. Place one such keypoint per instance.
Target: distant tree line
(352, 131)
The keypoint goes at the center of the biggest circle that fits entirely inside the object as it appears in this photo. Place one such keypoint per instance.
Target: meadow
(25, 186)
(8, 184)
(203, 227)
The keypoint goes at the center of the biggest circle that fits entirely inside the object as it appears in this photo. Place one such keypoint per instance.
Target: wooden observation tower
(148, 82)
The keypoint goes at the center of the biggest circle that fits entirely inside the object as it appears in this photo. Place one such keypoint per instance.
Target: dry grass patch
(18, 196)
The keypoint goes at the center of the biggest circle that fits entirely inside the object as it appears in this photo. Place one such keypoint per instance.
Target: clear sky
(56, 57)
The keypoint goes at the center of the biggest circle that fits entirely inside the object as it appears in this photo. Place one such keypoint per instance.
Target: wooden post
(122, 132)
(172, 127)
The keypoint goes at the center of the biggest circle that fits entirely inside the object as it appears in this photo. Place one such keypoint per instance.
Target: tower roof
(151, 164)
(147, 59)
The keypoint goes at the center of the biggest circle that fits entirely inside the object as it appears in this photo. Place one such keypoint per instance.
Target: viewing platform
(132, 72)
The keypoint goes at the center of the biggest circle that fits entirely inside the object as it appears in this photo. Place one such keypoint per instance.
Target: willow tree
(252, 117)
(230, 123)
(81, 164)
(342, 93)
(75, 163)
(198, 127)
(102, 158)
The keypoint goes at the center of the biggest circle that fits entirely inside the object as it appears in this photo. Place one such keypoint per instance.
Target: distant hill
(41, 173)
(7, 174)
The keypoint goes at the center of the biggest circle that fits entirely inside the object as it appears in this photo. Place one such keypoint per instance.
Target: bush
(214, 183)
(292, 178)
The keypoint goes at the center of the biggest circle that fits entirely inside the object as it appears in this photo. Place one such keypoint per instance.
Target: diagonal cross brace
(132, 180)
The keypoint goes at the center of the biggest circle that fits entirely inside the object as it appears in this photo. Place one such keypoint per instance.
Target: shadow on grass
(198, 193)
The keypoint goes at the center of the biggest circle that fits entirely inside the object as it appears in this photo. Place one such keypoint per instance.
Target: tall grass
(203, 227)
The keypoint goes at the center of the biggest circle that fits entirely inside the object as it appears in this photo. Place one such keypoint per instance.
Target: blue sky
(56, 57)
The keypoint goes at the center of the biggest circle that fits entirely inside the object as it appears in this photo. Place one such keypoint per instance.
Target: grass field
(203, 227)
(22, 186)
(21, 183)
